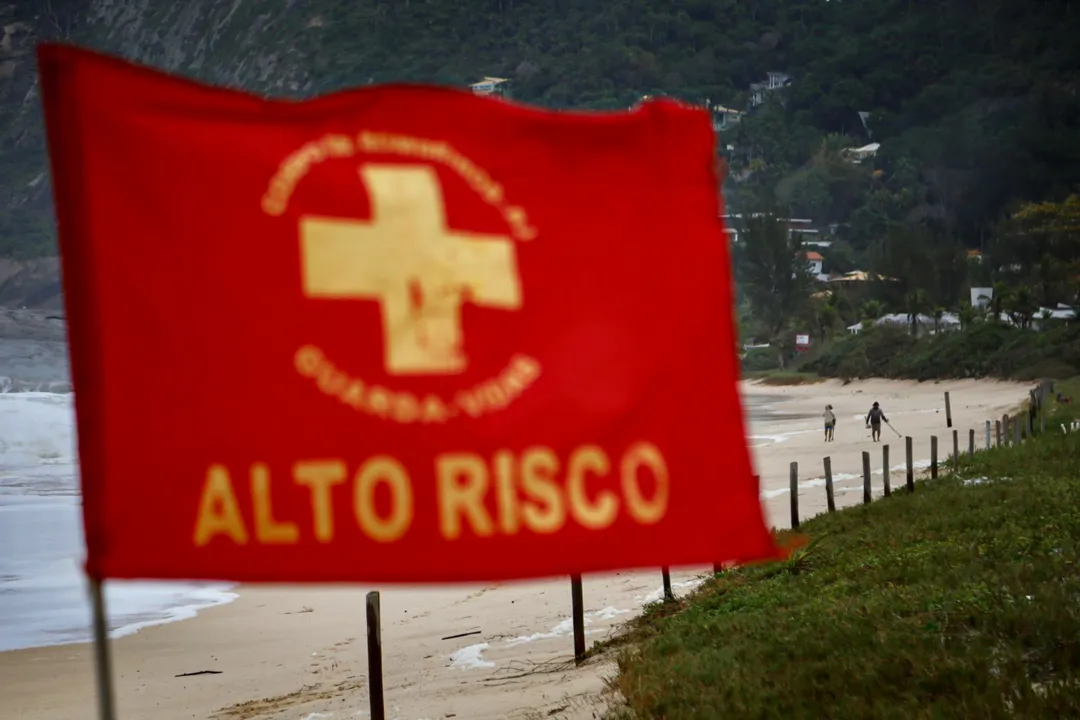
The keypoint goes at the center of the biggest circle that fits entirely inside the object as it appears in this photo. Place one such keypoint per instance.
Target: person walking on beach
(874, 419)
(830, 423)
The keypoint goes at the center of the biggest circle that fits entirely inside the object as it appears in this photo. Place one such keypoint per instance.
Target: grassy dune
(961, 600)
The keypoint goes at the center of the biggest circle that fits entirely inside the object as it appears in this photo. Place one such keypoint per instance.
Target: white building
(489, 86)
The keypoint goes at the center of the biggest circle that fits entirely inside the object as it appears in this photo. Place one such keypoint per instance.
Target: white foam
(658, 594)
(43, 591)
(471, 657)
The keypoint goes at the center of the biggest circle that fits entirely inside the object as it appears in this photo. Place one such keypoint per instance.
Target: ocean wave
(17, 385)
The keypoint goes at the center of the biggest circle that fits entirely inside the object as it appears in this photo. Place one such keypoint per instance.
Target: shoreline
(290, 652)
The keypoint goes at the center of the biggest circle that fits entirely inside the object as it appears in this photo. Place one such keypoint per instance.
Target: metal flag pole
(102, 660)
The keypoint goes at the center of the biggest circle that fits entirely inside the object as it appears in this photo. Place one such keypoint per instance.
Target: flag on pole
(400, 333)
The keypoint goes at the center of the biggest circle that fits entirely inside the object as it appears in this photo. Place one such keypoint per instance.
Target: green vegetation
(961, 600)
(974, 102)
(1033, 265)
(984, 349)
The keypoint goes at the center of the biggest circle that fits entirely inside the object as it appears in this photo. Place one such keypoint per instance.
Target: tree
(915, 304)
(1042, 242)
(872, 310)
(966, 315)
(1021, 306)
(772, 272)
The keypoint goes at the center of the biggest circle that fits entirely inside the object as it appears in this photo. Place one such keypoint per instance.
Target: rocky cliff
(253, 44)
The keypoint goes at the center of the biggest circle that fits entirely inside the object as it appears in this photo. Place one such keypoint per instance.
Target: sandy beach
(299, 653)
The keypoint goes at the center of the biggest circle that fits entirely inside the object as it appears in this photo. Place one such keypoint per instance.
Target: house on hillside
(490, 86)
(803, 227)
(723, 117)
(859, 154)
(774, 81)
(816, 263)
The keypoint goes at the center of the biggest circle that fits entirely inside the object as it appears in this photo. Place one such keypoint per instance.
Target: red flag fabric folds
(400, 333)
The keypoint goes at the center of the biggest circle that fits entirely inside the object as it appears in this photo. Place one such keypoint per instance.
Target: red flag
(400, 333)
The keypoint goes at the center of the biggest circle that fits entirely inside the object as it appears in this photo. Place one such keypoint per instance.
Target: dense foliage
(984, 349)
(974, 102)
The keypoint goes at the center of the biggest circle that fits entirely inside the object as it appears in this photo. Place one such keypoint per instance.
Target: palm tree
(915, 302)
(872, 309)
(966, 315)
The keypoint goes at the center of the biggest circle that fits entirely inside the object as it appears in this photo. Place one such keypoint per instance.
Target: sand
(299, 653)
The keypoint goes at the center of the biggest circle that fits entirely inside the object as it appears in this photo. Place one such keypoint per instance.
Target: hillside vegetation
(974, 102)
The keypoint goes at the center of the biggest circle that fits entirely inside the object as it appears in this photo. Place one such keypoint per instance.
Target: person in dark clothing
(874, 418)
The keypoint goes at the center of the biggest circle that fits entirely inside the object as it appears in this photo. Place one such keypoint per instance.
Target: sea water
(43, 592)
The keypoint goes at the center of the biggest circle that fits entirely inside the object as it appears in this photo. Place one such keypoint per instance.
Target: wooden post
(997, 432)
(1044, 391)
(1007, 436)
(948, 410)
(885, 469)
(1016, 430)
(866, 487)
(955, 450)
(987, 434)
(933, 456)
(910, 465)
(794, 495)
(374, 658)
(971, 443)
(669, 596)
(829, 498)
(577, 603)
(106, 700)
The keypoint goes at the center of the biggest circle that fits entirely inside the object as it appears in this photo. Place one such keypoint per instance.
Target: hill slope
(974, 101)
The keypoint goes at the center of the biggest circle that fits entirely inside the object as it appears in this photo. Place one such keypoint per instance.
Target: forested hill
(974, 102)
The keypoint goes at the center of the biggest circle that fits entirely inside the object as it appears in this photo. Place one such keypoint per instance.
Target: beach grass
(961, 600)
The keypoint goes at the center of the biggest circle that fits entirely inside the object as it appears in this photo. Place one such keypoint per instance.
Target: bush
(983, 350)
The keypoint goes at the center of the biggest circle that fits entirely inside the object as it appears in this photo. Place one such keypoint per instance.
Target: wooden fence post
(867, 488)
(1007, 437)
(577, 606)
(377, 705)
(829, 498)
(910, 464)
(669, 596)
(933, 456)
(1044, 391)
(955, 450)
(948, 410)
(885, 469)
(987, 434)
(971, 443)
(1016, 423)
(794, 495)
(997, 431)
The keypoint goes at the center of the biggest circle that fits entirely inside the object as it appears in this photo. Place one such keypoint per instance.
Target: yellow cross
(407, 259)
